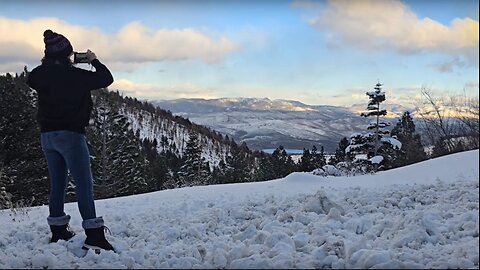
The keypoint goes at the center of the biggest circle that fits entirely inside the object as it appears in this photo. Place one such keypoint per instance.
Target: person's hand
(91, 56)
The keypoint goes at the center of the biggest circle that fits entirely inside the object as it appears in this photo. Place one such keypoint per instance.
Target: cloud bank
(152, 92)
(134, 43)
(388, 24)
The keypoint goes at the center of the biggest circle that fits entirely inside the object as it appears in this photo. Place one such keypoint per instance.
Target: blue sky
(317, 52)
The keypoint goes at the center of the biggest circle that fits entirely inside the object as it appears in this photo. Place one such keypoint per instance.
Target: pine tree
(118, 165)
(264, 169)
(217, 174)
(238, 166)
(412, 149)
(376, 147)
(318, 158)
(157, 169)
(282, 163)
(357, 153)
(21, 157)
(376, 98)
(340, 155)
(306, 161)
(194, 171)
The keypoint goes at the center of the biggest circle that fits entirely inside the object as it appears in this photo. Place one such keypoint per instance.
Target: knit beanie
(56, 45)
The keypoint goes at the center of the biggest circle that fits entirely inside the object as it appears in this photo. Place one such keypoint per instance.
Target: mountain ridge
(240, 104)
(265, 124)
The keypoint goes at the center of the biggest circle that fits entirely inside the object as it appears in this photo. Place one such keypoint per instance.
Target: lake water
(289, 151)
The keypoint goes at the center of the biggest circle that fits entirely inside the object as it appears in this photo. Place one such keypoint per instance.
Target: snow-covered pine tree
(373, 149)
(412, 148)
(238, 166)
(117, 164)
(217, 173)
(357, 160)
(376, 98)
(21, 157)
(194, 171)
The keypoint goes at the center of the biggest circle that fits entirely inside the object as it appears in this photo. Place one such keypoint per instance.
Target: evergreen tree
(340, 155)
(157, 169)
(264, 168)
(21, 157)
(217, 174)
(172, 181)
(375, 147)
(238, 166)
(318, 158)
(306, 161)
(357, 151)
(118, 165)
(194, 171)
(135, 166)
(412, 149)
(376, 98)
(282, 163)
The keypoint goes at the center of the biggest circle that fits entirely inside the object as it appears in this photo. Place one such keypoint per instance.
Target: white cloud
(389, 24)
(134, 44)
(139, 43)
(151, 91)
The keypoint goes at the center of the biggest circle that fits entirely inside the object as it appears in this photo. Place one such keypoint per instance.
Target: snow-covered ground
(421, 216)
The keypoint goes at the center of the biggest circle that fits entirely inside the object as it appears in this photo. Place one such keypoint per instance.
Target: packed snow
(376, 159)
(394, 142)
(420, 216)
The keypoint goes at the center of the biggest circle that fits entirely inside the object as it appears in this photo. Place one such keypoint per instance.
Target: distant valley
(266, 124)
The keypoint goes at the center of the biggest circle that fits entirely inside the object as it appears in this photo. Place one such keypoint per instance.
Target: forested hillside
(134, 147)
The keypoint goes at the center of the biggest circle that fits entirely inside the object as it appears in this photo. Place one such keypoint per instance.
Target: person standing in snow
(64, 108)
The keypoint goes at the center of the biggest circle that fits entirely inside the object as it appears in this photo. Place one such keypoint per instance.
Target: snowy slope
(421, 216)
(177, 135)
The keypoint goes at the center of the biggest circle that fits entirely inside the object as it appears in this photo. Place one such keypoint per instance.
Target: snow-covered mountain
(420, 216)
(173, 135)
(266, 124)
(197, 105)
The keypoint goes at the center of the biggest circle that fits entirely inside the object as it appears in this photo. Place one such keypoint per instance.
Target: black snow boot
(96, 240)
(61, 232)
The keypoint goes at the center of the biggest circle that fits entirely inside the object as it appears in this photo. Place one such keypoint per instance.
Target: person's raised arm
(102, 77)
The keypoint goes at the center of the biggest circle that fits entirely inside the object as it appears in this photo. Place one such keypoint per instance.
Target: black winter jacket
(64, 100)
